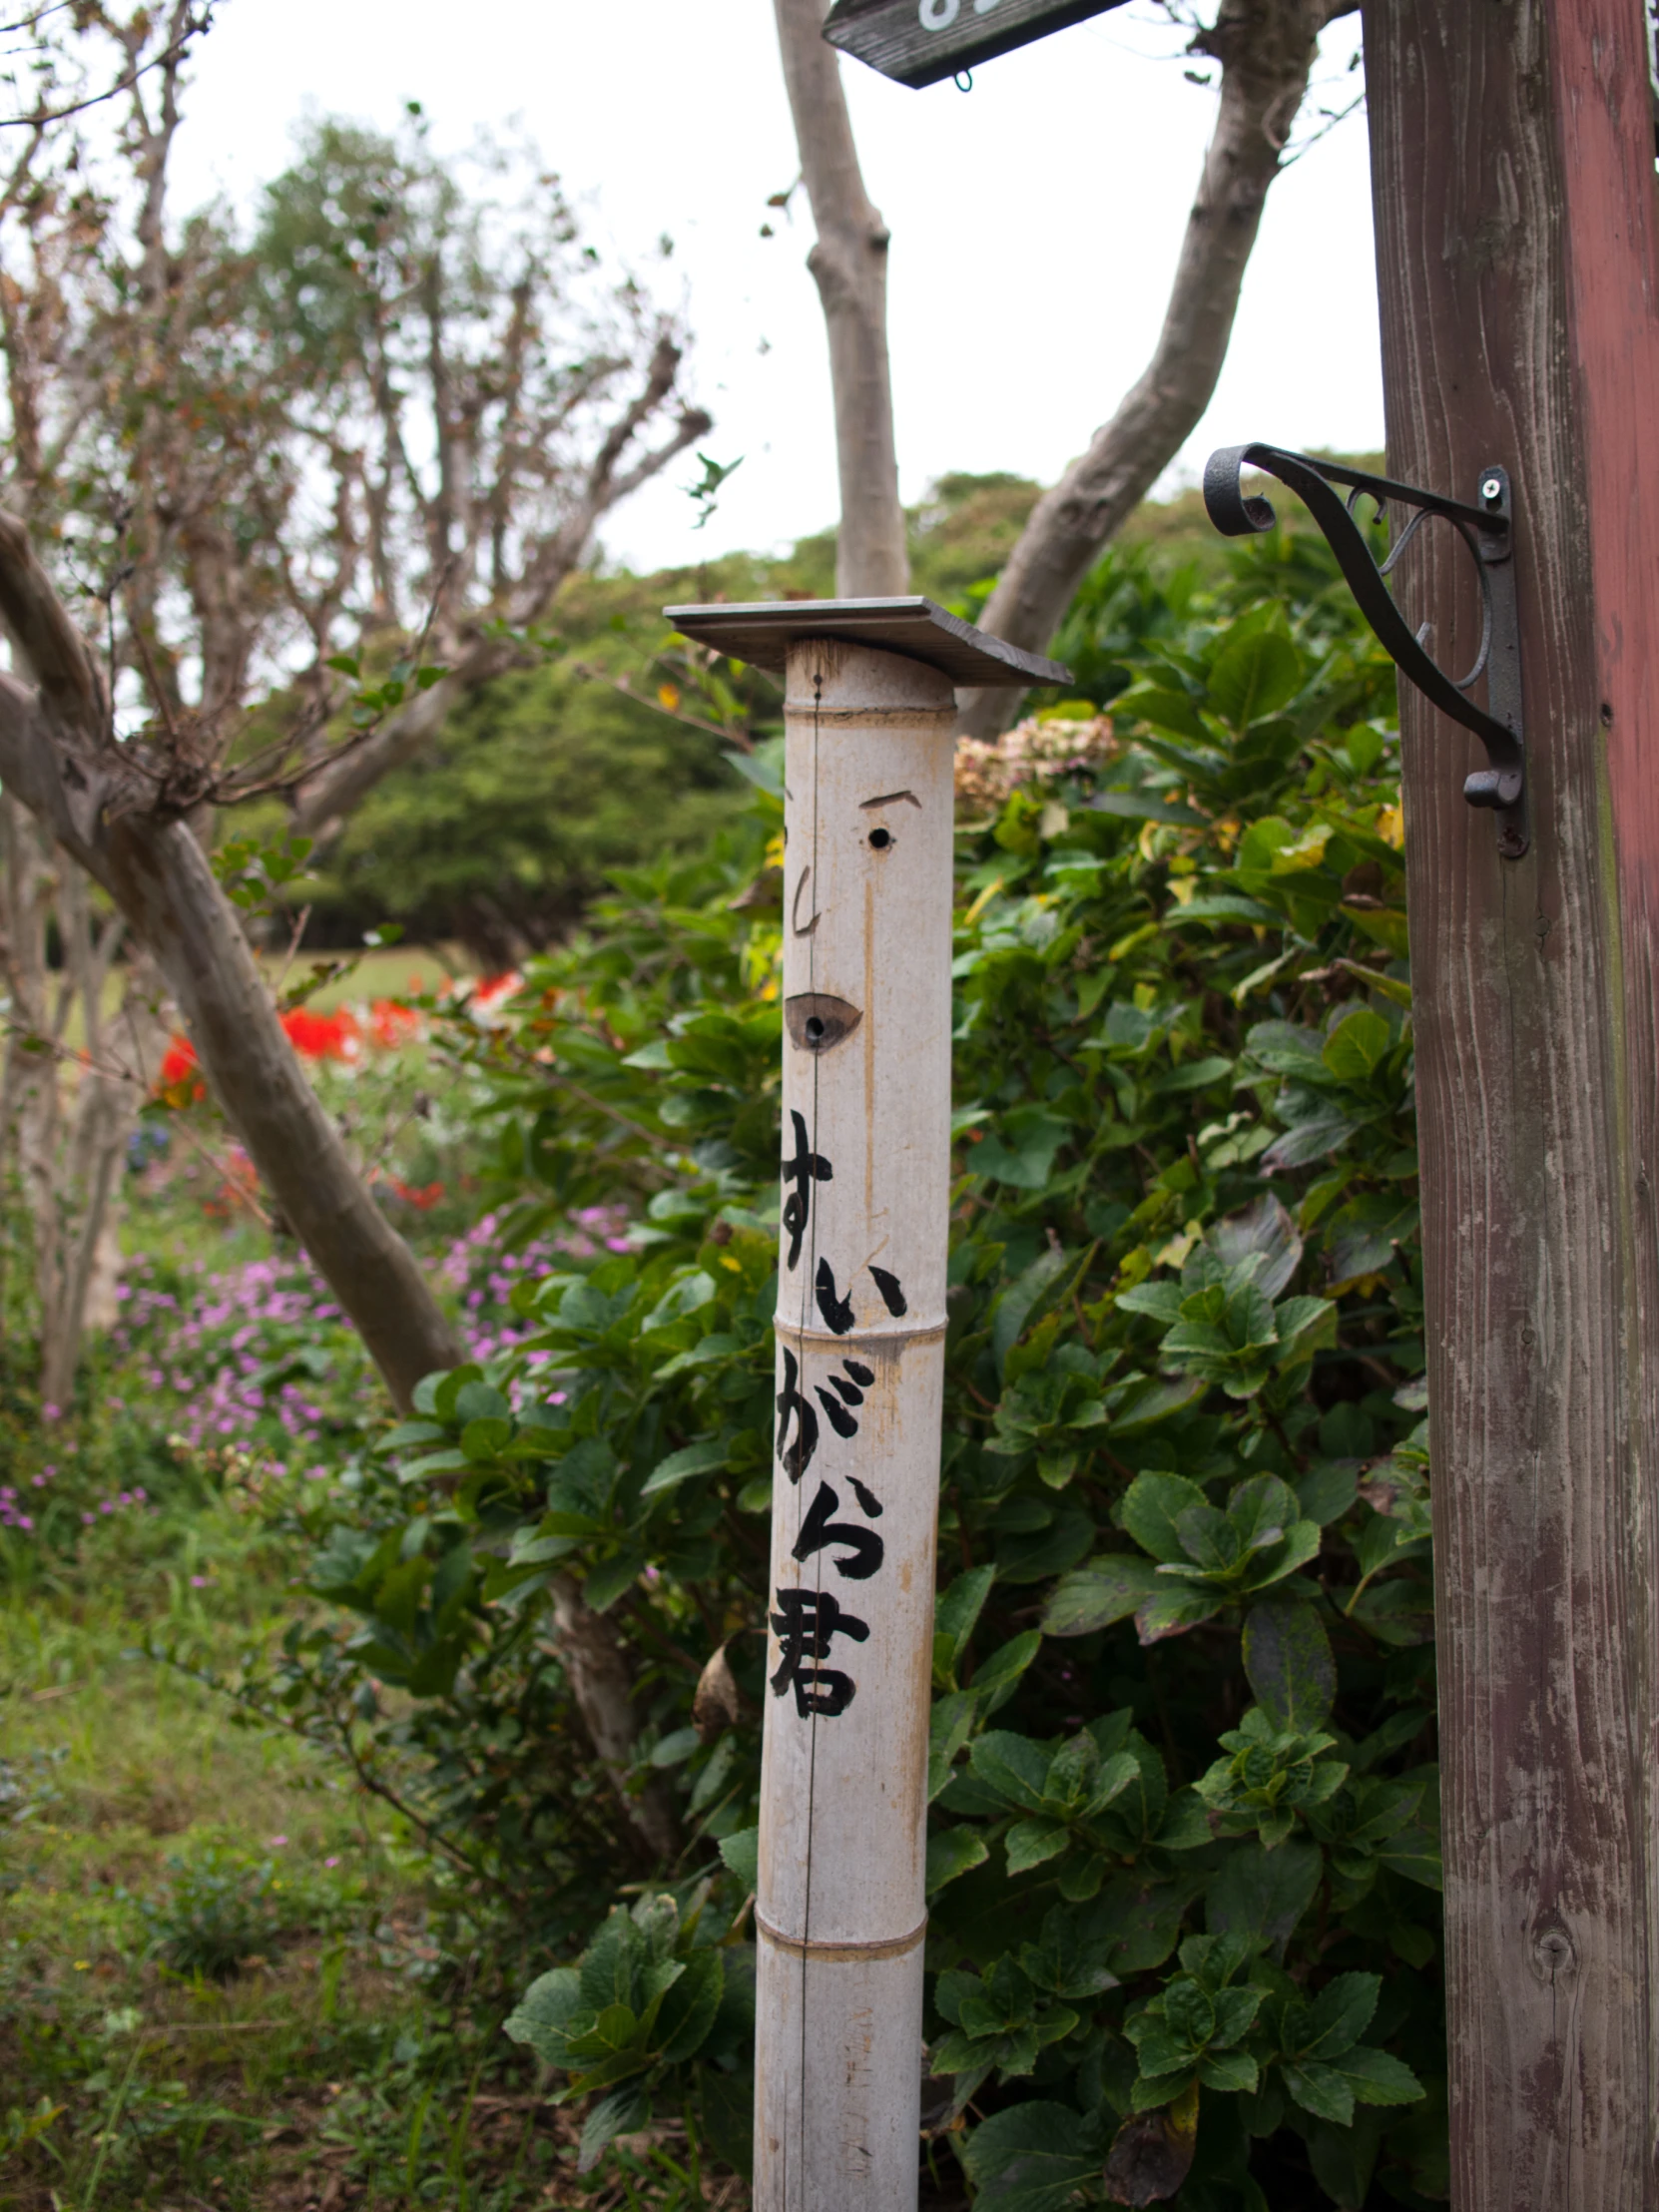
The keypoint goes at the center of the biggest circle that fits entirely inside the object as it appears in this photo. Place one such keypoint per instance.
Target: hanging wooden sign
(918, 42)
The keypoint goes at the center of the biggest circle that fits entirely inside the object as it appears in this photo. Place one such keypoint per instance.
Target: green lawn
(226, 1978)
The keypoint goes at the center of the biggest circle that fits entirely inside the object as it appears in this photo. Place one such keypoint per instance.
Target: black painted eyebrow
(890, 799)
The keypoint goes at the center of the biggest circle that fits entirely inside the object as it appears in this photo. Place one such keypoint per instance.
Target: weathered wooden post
(841, 1913)
(1518, 231)
(1517, 239)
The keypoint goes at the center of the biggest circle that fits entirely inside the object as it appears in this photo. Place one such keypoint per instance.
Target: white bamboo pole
(841, 1909)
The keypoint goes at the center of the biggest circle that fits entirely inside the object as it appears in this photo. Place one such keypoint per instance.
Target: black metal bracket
(1489, 533)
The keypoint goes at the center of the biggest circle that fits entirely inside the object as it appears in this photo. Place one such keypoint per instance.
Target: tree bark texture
(841, 1912)
(68, 1113)
(1513, 174)
(601, 1678)
(57, 758)
(850, 267)
(1265, 49)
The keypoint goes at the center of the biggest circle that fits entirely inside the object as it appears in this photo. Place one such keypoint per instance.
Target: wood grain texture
(1514, 202)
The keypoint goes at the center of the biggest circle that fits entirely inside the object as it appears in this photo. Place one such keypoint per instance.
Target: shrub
(1183, 1858)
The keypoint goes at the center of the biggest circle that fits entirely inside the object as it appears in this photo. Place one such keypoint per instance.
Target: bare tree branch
(850, 267)
(1265, 49)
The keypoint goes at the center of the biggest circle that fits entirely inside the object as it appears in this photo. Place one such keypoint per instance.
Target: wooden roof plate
(763, 631)
(918, 42)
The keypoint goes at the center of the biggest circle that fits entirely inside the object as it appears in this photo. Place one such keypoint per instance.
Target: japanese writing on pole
(811, 1625)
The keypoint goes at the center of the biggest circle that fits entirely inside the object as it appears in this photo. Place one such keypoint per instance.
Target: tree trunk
(850, 267)
(57, 760)
(159, 877)
(1265, 49)
(602, 1683)
(1519, 263)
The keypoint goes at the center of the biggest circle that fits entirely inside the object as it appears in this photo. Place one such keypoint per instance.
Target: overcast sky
(1035, 221)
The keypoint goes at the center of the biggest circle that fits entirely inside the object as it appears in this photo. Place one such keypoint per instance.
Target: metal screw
(1492, 490)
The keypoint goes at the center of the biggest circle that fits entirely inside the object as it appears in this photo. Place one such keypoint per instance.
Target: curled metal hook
(1488, 532)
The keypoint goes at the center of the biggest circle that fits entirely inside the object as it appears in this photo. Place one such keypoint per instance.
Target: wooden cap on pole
(841, 1912)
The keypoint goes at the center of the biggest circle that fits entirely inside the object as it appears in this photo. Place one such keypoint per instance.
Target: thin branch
(43, 116)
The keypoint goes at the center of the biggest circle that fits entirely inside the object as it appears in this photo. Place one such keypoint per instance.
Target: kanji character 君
(806, 1623)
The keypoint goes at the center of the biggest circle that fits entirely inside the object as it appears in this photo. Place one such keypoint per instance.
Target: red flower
(178, 1084)
(322, 1036)
(393, 1024)
(425, 1197)
(178, 1060)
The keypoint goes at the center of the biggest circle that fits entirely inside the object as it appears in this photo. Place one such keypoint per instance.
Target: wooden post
(1513, 173)
(841, 1912)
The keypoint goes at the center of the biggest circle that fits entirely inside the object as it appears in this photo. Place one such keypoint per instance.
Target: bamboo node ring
(806, 1947)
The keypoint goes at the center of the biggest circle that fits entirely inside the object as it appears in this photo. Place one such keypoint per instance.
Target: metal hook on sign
(963, 80)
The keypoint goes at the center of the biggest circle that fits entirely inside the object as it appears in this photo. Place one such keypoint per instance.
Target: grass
(226, 1978)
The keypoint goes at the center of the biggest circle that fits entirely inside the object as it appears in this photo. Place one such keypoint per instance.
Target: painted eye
(881, 838)
(817, 1022)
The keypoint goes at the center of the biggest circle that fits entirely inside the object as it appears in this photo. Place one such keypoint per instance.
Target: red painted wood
(1517, 223)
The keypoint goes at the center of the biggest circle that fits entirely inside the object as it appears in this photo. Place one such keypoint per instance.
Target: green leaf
(1261, 1892)
(1255, 676)
(957, 1609)
(689, 1296)
(1340, 2014)
(1109, 1589)
(742, 1854)
(410, 1433)
(1378, 2077)
(1232, 2070)
(704, 1459)
(1030, 2157)
(606, 1583)
(1320, 2091)
(543, 2014)
(1356, 1046)
(1030, 1843)
(1287, 1656)
(623, 2112)
(1015, 1307)
(1025, 1157)
(1175, 1613)
(999, 1673)
(952, 1852)
(480, 1402)
(1151, 1507)
(689, 2008)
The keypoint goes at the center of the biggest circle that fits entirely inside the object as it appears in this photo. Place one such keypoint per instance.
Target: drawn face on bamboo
(847, 1281)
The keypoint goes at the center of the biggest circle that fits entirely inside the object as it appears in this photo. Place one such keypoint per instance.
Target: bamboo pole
(860, 1368)
(840, 1911)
